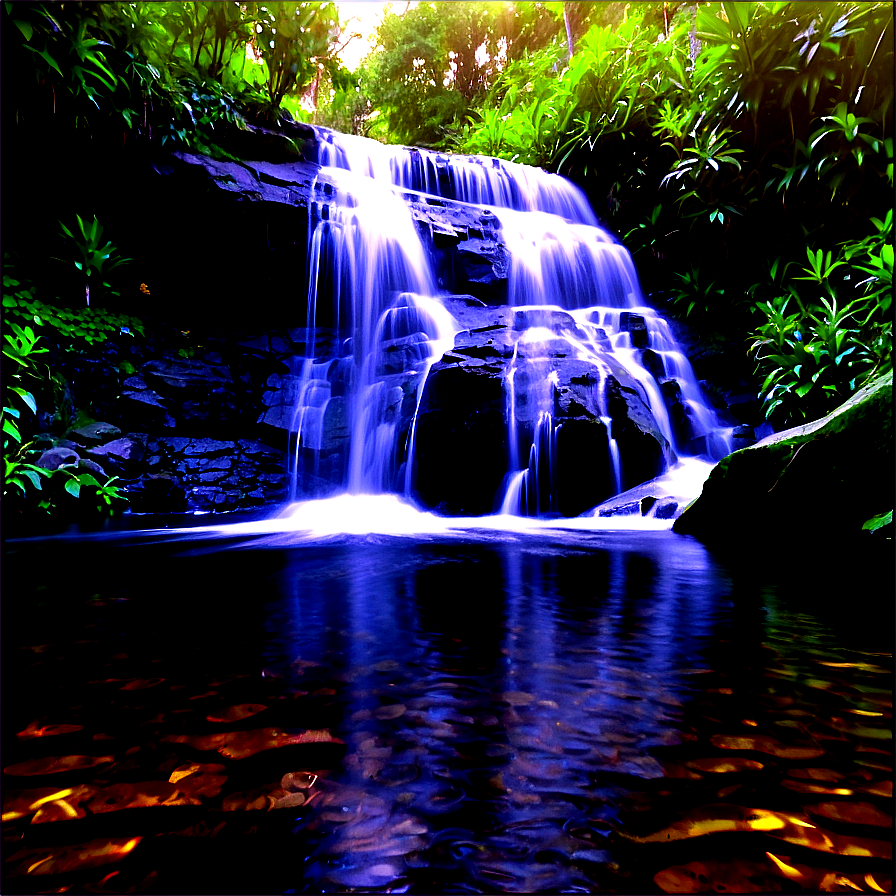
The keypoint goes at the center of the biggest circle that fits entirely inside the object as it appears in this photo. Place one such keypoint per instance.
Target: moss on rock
(819, 481)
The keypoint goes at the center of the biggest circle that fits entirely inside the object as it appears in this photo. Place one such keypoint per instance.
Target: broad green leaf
(879, 521)
(33, 477)
(24, 27)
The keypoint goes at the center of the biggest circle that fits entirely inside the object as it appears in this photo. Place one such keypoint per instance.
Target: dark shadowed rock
(169, 376)
(121, 456)
(820, 481)
(90, 466)
(636, 327)
(461, 440)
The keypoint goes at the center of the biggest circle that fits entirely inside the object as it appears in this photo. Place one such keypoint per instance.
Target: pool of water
(479, 712)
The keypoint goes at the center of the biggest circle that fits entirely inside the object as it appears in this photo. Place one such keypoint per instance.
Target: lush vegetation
(744, 150)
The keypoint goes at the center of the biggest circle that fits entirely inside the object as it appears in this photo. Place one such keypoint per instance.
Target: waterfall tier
(555, 389)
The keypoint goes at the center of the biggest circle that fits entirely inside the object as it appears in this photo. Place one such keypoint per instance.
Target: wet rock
(666, 510)
(653, 363)
(92, 467)
(481, 269)
(550, 318)
(155, 493)
(208, 448)
(54, 458)
(93, 382)
(629, 509)
(120, 456)
(647, 503)
(461, 440)
(636, 327)
(94, 434)
(145, 410)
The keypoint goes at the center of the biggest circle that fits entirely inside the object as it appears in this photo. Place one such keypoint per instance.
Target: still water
(483, 712)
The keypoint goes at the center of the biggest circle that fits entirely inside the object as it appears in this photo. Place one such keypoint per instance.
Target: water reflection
(486, 690)
(567, 711)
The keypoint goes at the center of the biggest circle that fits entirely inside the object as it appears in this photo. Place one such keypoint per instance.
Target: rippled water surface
(550, 712)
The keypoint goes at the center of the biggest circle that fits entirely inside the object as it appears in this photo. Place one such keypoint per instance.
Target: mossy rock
(820, 481)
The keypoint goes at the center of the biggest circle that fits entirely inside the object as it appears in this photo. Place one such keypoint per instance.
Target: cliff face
(198, 415)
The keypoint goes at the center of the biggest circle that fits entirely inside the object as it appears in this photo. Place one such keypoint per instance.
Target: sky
(365, 18)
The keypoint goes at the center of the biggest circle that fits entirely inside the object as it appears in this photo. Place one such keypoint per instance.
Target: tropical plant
(19, 474)
(840, 335)
(90, 257)
(26, 483)
(23, 479)
(294, 40)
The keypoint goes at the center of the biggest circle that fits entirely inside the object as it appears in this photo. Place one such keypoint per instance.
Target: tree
(435, 63)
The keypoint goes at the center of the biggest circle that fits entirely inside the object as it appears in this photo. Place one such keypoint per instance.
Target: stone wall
(176, 419)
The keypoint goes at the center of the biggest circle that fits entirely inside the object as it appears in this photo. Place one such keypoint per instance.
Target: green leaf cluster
(24, 482)
(435, 64)
(837, 334)
(167, 72)
(91, 324)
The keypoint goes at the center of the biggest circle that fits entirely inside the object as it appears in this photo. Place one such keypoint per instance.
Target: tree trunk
(569, 44)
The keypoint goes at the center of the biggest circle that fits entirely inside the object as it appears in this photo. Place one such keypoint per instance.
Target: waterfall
(377, 323)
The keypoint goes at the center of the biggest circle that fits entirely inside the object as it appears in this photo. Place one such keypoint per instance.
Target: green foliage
(20, 347)
(696, 295)
(817, 355)
(24, 482)
(93, 325)
(437, 62)
(167, 72)
(294, 39)
(66, 489)
(88, 255)
(880, 521)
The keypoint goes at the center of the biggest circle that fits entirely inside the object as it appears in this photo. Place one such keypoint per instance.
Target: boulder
(94, 434)
(121, 456)
(92, 467)
(192, 376)
(54, 458)
(469, 252)
(819, 481)
(461, 440)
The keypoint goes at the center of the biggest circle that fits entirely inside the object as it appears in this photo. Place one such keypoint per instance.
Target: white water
(377, 324)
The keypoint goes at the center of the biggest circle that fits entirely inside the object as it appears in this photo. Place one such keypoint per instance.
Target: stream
(233, 710)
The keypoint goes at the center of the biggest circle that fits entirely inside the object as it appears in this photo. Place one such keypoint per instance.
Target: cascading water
(365, 256)
(377, 324)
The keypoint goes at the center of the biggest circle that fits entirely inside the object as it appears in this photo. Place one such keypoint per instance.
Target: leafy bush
(815, 356)
(25, 483)
(89, 257)
(93, 325)
(167, 71)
